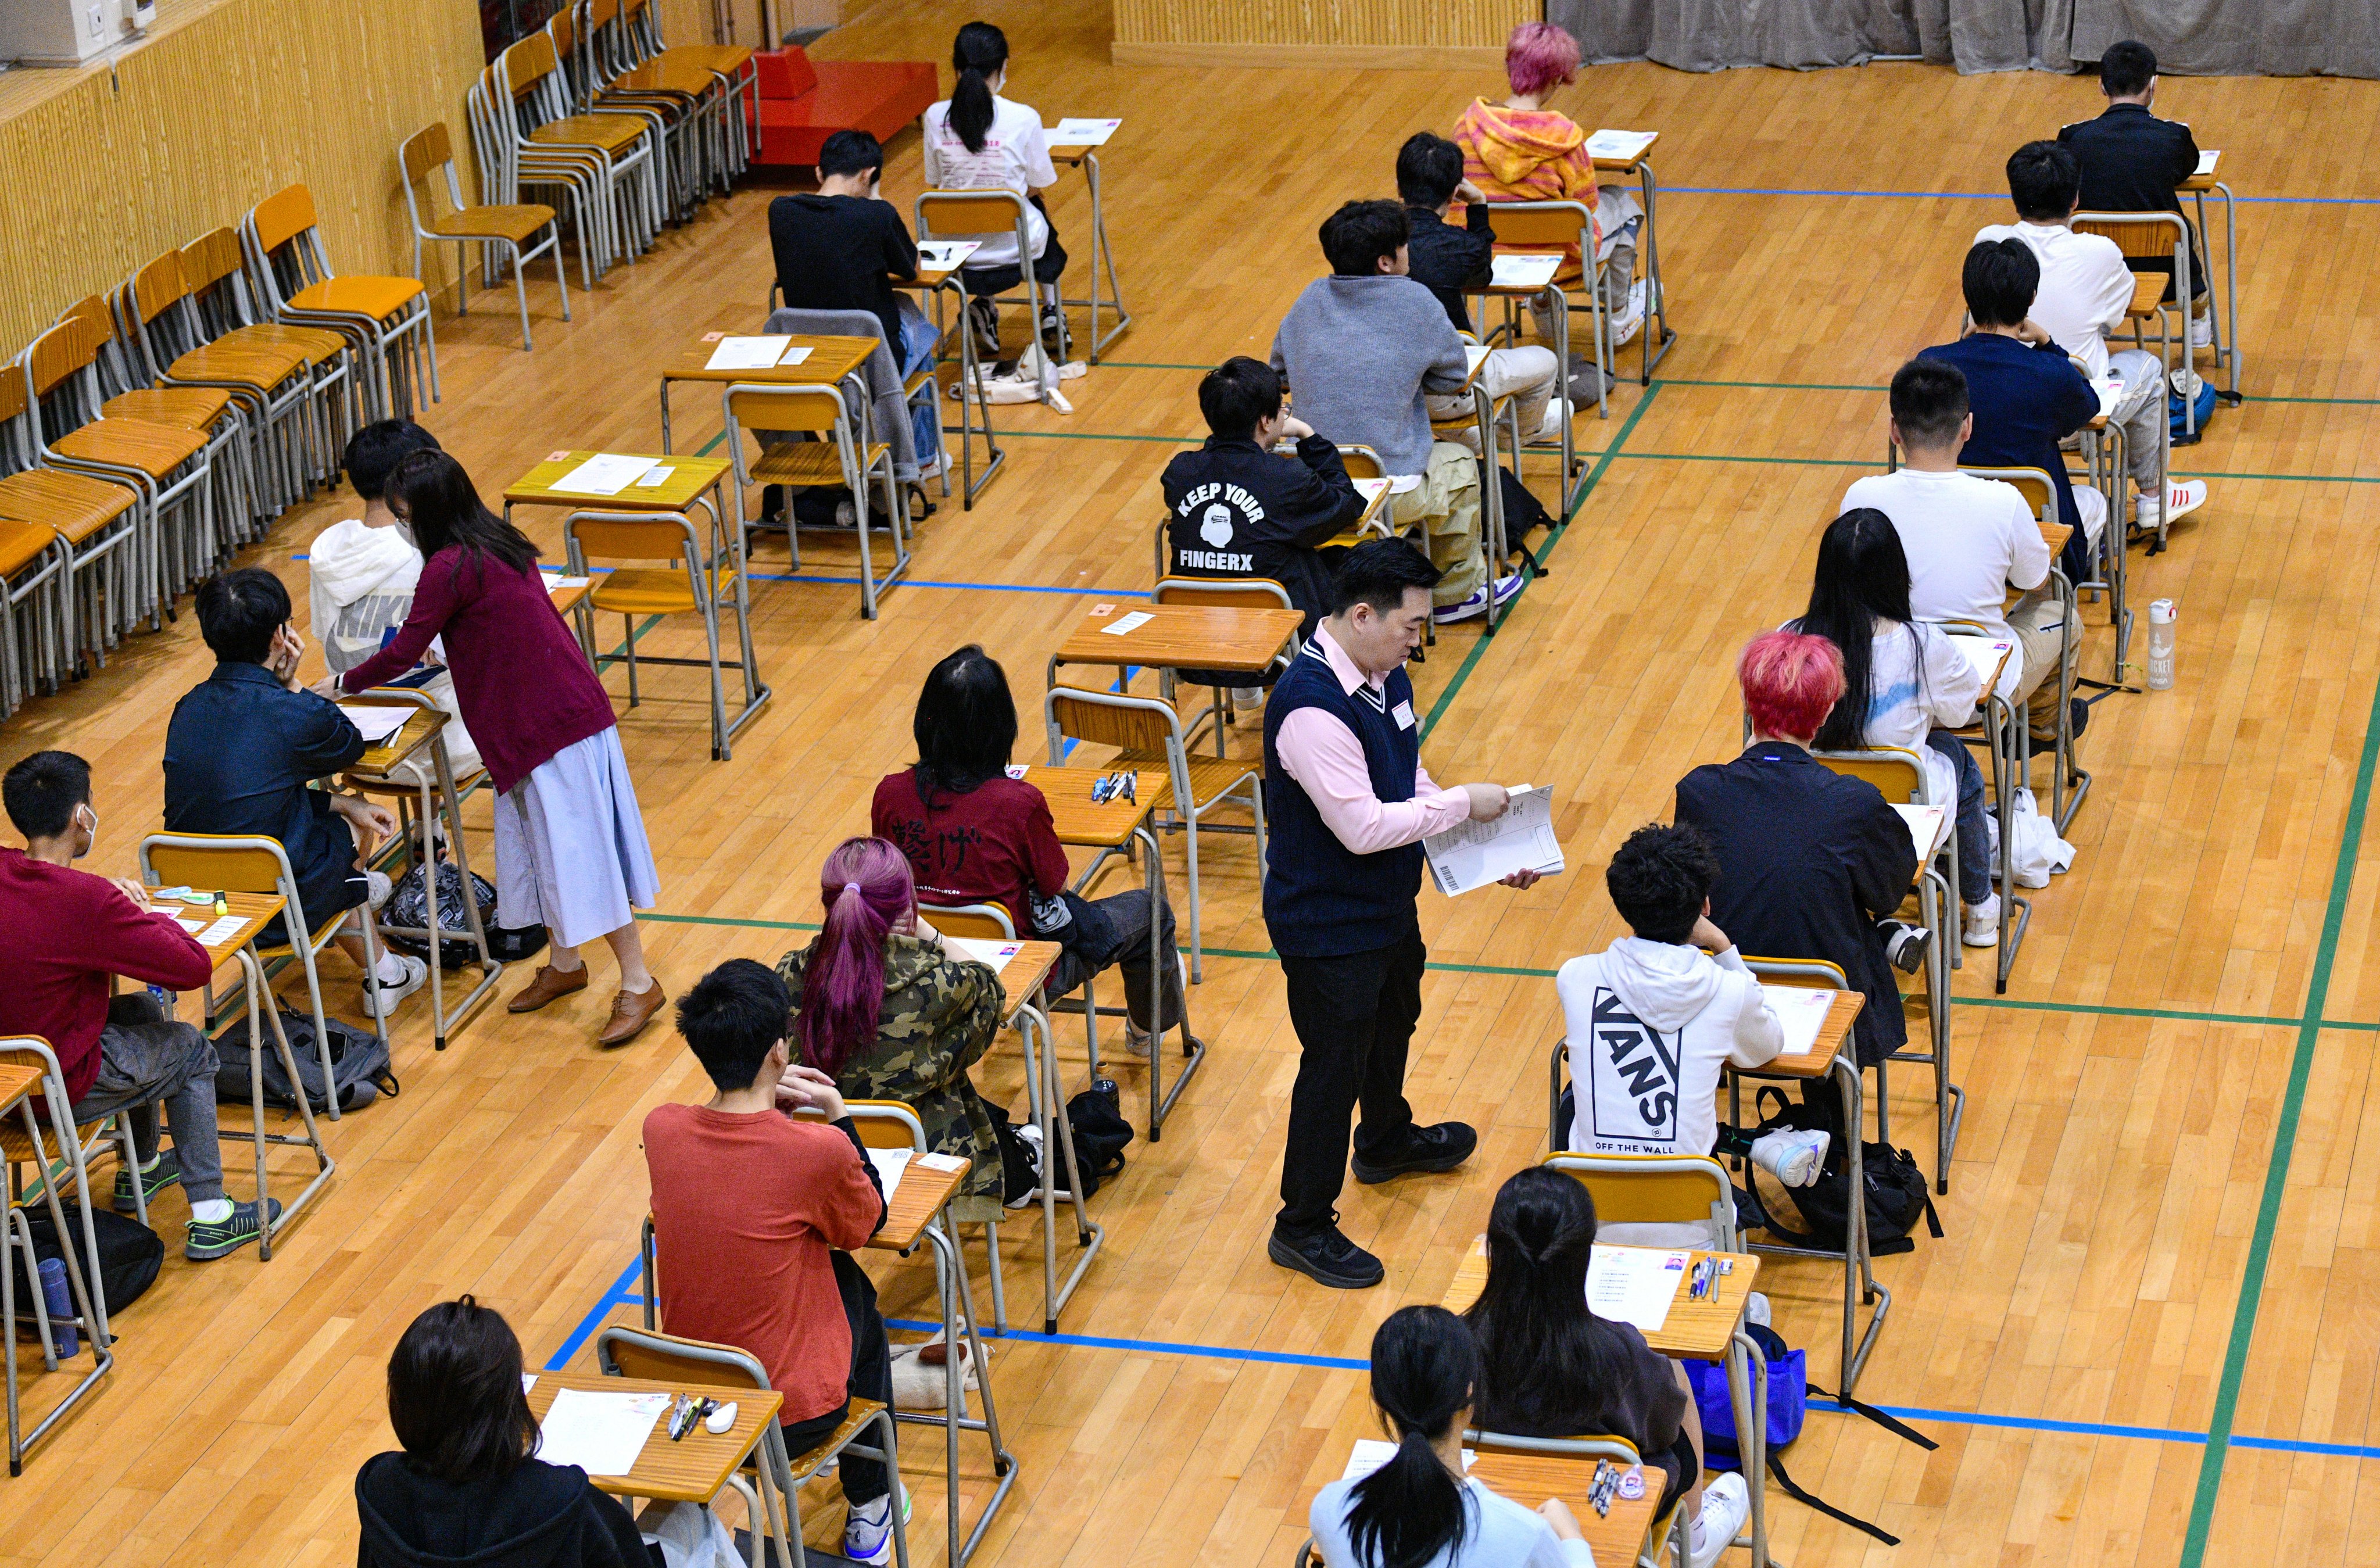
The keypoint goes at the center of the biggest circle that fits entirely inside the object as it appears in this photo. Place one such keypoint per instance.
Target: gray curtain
(2191, 37)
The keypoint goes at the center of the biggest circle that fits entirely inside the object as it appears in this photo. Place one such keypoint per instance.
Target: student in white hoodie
(361, 572)
(1654, 1017)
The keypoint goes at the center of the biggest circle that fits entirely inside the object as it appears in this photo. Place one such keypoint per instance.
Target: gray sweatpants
(146, 1058)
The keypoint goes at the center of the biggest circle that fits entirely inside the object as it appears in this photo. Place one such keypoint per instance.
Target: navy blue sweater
(1321, 899)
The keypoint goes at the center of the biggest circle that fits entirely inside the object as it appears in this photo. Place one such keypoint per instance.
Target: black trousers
(872, 1378)
(999, 280)
(1354, 1016)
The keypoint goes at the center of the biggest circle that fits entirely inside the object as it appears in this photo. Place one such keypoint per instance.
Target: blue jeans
(1975, 848)
(918, 341)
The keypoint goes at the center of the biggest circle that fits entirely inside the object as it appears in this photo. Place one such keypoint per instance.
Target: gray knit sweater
(1359, 353)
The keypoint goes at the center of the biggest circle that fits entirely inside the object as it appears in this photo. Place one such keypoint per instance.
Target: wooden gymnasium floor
(2147, 1336)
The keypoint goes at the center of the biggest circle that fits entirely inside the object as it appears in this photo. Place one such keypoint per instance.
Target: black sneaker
(1904, 945)
(208, 1241)
(154, 1180)
(983, 316)
(1329, 1259)
(1440, 1147)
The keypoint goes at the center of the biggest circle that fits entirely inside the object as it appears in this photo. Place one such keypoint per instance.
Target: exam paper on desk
(600, 1433)
(1472, 855)
(1633, 1285)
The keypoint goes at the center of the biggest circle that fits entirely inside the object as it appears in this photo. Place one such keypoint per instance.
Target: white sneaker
(1982, 928)
(983, 316)
(1557, 419)
(1509, 585)
(1756, 1309)
(2184, 497)
(868, 1534)
(1476, 605)
(1630, 322)
(2202, 331)
(376, 888)
(1029, 1134)
(381, 997)
(1793, 1156)
(1726, 1505)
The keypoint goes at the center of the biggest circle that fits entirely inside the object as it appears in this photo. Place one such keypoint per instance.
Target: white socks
(213, 1211)
(391, 970)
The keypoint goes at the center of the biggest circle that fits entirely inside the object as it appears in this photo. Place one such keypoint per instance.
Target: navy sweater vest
(1322, 900)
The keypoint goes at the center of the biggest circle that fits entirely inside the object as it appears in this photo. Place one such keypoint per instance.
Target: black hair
(238, 613)
(1360, 235)
(850, 153)
(1863, 578)
(1660, 880)
(1238, 392)
(377, 448)
(966, 723)
(2043, 179)
(2000, 278)
(2126, 68)
(732, 1018)
(1539, 1346)
(42, 792)
(1929, 402)
(1377, 573)
(977, 54)
(454, 1395)
(1410, 1510)
(442, 507)
(1428, 168)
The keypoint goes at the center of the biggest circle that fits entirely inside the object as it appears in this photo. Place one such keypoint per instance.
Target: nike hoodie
(1650, 1024)
(358, 589)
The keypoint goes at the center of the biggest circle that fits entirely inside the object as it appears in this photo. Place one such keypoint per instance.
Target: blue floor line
(1987, 195)
(621, 1294)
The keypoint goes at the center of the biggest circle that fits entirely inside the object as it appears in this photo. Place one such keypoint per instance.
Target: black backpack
(408, 904)
(358, 1065)
(1897, 1193)
(130, 1254)
(1100, 1134)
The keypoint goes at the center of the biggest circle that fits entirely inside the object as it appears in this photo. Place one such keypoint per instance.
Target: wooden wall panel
(106, 166)
(1383, 31)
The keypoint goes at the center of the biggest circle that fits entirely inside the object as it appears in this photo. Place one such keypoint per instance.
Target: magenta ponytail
(866, 888)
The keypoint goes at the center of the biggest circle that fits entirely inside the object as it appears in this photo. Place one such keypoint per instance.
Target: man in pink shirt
(1347, 804)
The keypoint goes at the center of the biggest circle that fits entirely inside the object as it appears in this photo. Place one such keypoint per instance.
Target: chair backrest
(1362, 462)
(1898, 773)
(282, 217)
(2033, 484)
(881, 1124)
(619, 536)
(1655, 1189)
(1816, 974)
(424, 151)
(1238, 593)
(2163, 236)
(1619, 1450)
(1554, 223)
(64, 350)
(755, 406)
(527, 63)
(158, 287)
(657, 1357)
(972, 212)
(1108, 717)
(211, 258)
(988, 922)
(231, 862)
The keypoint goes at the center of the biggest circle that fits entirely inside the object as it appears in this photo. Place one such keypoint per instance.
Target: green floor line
(1585, 487)
(2277, 1170)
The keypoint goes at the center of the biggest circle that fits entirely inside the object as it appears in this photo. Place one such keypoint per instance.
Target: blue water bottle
(60, 1304)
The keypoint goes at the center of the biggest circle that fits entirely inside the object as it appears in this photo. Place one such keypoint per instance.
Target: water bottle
(2160, 645)
(60, 1304)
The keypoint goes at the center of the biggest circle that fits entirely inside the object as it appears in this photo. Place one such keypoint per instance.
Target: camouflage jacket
(940, 1014)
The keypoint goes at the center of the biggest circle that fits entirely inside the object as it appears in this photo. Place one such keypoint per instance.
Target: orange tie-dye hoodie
(1526, 155)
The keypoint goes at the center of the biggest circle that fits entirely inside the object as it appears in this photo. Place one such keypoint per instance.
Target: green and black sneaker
(212, 1240)
(155, 1178)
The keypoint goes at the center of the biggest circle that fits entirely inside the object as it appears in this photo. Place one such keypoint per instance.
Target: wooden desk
(1530, 1478)
(1833, 1035)
(693, 1468)
(690, 480)
(256, 911)
(1202, 637)
(2055, 535)
(919, 1197)
(1091, 824)
(567, 592)
(2227, 343)
(1694, 1330)
(1023, 972)
(830, 360)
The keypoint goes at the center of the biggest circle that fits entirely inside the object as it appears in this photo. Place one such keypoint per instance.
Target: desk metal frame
(259, 997)
(1102, 254)
(1656, 298)
(91, 1312)
(970, 385)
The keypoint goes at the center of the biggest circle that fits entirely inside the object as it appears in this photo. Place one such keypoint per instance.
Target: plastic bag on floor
(1033, 375)
(2038, 851)
(690, 1536)
(921, 1385)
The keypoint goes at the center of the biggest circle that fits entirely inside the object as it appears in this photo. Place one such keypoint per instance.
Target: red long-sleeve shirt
(994, 844)
(63, 932)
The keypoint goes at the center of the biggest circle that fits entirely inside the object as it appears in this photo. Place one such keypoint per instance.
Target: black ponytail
(979, 51)
(1425, 1366)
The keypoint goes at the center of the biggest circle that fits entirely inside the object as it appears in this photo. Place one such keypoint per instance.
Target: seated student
(240, 750)
(2085, 288)
(1652, 1019)
(1446, 260)
(975, 835)
(1968, 541)
(842, 246)
(1549, 1367)
(67, 935)
(2132, 162)
(1420, 1510)
(1905, 683)
(361, 575)
(1812, 863)
(755, 1217)
(974, 140)
(885, 1011)
(1521, 150)
(1362, 349)
(1240, 511)
(468, 1486)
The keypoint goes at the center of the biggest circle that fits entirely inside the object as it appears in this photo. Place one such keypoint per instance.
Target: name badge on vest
(1402, 713)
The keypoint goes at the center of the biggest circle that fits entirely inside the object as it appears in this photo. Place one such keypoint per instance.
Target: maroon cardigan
(523, 684)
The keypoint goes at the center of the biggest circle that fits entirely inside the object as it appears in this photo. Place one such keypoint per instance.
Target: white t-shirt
(1918, 679)
(1968, 540)
(1015, 156)
(1649, 1023)
(2085, 287)
(1501, 1533)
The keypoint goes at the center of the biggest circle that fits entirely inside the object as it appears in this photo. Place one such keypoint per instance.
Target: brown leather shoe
(551, 985)
(631, 1011)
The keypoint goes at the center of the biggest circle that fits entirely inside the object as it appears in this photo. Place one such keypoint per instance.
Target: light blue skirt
(570, 844)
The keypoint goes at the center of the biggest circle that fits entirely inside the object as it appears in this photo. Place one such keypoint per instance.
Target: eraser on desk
(719, 1419)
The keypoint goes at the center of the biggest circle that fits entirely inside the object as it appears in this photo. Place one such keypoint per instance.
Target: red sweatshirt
(994, 844)
(63, 933)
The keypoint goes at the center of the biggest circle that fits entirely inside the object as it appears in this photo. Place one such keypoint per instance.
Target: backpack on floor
(358, 1065)
(1101, 1133)
(1898, 1195)
(2201, 405)
(1524, 514)
(408, 904)
(130, 1254)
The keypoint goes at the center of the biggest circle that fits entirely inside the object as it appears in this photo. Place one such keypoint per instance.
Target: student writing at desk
(67, 935)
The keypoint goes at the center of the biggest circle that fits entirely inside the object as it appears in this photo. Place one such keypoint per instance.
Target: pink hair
(866, 887)
(1539, 55)
(1791, 682)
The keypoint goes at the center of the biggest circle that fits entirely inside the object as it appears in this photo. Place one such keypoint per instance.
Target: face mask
(93, 818)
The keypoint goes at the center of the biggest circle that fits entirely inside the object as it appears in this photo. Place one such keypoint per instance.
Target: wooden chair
(688, 585)
(535, 112)
(33, 568)
(841, 452)
(427, 153)
(687, 100)
(640, 39)
(1553, 225)
(575, 87)
(22, 1142)
(291, 270)
(90, 524)
(2069, 781)
(2157, 236)
(571, 182)
(975, 214)
(1148, 733)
